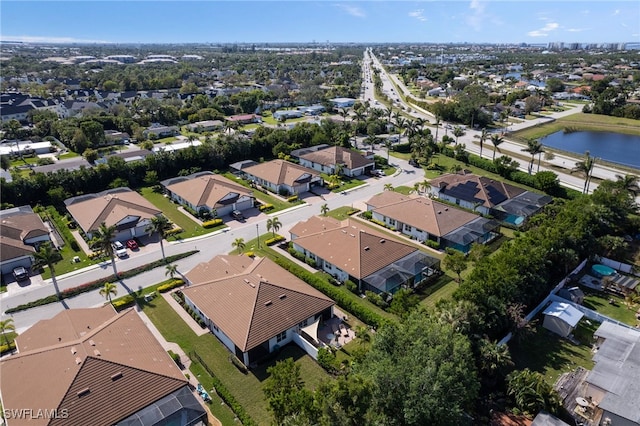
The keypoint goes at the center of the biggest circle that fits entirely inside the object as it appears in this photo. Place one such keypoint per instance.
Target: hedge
(124, 302)
(343, 300)
(265, 207)
(170, 286)
(172, 231)
(274, 240)
(7, 348)
(211, 223)
(94, 285)
(292, 198)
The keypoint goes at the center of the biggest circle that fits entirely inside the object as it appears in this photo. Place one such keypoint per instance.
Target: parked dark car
(237, 215)
(20, 273)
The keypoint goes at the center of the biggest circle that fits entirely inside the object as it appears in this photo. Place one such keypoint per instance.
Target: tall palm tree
(388, 145)
(273, 224)
(160, 225)
(239, 244)
(437, 126)
(5, 327)
(360, 116)
(534, 148)
(344, 113)
(48, 256)
(324, 209)
(388, 187)
(629, 183)
(108, 290)
(483, 137)
(585, 168)
(191, 139)
(400, 124)
(102, 240)
(496, 140)
(171, 270)
(457, 132)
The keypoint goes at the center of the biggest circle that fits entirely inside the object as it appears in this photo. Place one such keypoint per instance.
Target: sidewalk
(193, 325)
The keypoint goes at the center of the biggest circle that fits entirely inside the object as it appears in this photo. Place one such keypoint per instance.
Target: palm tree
(400, 124)
(496, 140)
(585, 168)
(388, 145)
(160, 225)
(191, 139)
(108, 290)
(388, 187)
(457, 132)
(239, 244)
(483, 137)
(171, 270)
(273, 224)
(629, 183)
(324, 209)
(102, 240)
(344, 113)
(534, 148)
(5, 327)
(437, 127)
(48, 256)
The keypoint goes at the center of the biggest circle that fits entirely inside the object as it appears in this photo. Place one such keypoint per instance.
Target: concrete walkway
(193, 325)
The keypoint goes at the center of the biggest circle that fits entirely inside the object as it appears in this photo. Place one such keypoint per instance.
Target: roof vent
(247, 281)
(446, 209)
(344, 231)
(439, 212)
(96, 352)
(268, 303)
(78, 360)
(83, 392)
(92, 343)
(283, 296)
(382, 241)
(366, 248)
(74, 350)
(116, 376)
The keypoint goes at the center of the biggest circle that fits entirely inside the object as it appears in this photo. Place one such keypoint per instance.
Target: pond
(614, 147)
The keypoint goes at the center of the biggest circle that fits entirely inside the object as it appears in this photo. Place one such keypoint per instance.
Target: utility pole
(258, 234)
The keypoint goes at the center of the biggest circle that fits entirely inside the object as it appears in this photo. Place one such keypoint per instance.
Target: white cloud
(351, 10)
(46, 39)
(616, 12)
(544, 31)
(418, 14)
(585, 12)
(577, 30)
(477, 16)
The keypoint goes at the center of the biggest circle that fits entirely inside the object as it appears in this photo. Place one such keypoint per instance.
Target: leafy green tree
(273, 224)
(5, 162)
(530, 393)
(5, 327)
(159, 225)
(284, 391)
(403, 302)
(102, 240)
(547, 181)
(345, 401)
(456, 261)
(457, 132)
(48, 256)
(109, 290)
(422, 373)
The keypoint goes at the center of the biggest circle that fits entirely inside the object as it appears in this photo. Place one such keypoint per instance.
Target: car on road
(132, 245)
(119, 249)
(237, 215)
(20, 273)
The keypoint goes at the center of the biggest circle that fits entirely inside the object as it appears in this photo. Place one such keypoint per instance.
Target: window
(303, 323)
(408, 228)
(280, 337)
(392, 222)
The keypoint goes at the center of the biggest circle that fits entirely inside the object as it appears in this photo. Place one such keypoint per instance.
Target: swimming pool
(600, 270)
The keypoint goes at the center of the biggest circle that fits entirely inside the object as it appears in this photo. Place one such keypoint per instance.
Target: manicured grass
(406, 190)
(165, 141)
(345, 182)
(619, 310)
(342, 213)
(17, 162)
(551, 355)
(217, 406)
(247, 389)
(581, 121)
(443, 288)
(170, 210)
(68, 155)
(278, 203)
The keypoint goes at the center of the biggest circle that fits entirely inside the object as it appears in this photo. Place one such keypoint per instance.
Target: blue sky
(492, 21)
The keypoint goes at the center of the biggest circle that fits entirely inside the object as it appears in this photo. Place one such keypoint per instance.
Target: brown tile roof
(356, 249)
(473, 188)
(313, 225)
(279, 172)
(99, 344)
(252, 300)
(338, 155)
(109, 207)
(385, 198)
(10, 249)
(425, 214)
(16, 227)
(208, 190)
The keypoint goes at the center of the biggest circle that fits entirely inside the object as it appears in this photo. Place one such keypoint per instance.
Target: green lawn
(247, 389)
(443, 288)
(345, 182)
(268, 198)
(342, 213)
(552, 355)
(68, 155)
(170, 210)
(599, 302)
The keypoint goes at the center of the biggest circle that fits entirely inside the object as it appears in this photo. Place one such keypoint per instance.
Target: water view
(614, 147)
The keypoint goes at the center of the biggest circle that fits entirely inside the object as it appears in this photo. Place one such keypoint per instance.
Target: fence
(591, 314)
(622, 267)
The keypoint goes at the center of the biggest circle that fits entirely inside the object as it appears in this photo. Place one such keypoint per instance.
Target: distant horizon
(360, 22)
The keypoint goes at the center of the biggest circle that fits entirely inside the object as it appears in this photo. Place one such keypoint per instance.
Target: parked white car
(119, 249)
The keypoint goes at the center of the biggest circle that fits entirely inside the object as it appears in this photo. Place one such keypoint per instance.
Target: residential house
(21, 232)
(114, 137)
(244, 119)
(129, 156)
(123, 208)
(348, 250)
(342, 102)
(561, 318)
(209, 192)
(159, 131)
(282, 177)
(95, 367)
(253, 305)
(66, 164)
(205, 126)
(16, 148)
(613, 385)
(425, 219)
(326, 160)
(487, 196)
(286, 114)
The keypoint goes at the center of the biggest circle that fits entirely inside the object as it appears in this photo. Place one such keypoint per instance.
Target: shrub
(327, 360)
(212, 223)
(351, 286)
(379, 222)
(376, 298)
(7, 348)
(311, 262)
(239, 365)
(173, 231)
(250, 254)
(265, 207)
(74, 245)
(432, 244)
(175, 357)
(170, 286)
(124, 302)
(367, 215)
(274, 240)
(292, 199)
